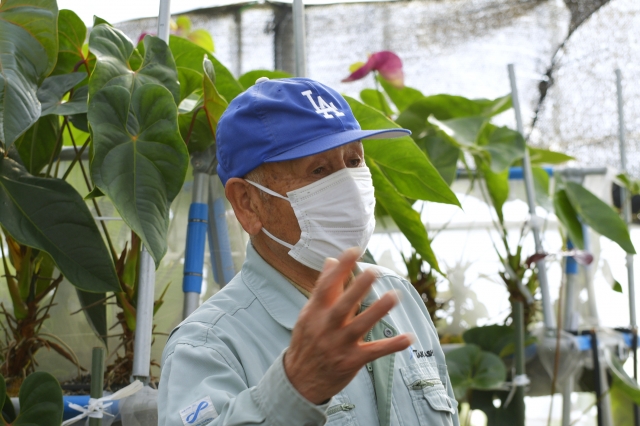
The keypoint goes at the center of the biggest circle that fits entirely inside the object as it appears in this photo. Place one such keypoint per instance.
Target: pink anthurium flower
(387, 63)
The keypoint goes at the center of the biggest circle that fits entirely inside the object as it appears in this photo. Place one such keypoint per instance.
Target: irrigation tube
(547, 309)
(626, 209)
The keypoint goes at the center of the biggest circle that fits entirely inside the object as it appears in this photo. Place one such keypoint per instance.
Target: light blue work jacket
(223, 364)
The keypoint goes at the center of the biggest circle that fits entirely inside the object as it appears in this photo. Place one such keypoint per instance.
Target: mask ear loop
(275, 194)
(267, 190)
(277, 240)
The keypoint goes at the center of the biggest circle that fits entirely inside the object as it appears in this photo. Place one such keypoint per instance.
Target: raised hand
(327, 345)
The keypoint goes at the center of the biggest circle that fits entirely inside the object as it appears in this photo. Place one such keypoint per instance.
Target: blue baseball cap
(285, 119)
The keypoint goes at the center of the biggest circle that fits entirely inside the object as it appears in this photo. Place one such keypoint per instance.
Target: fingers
(374, 350)
(367, 319)
(334, 274)
(357, 290)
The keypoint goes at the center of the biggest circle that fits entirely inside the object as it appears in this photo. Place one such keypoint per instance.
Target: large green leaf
(448, 107)
(189, 56)
(49, 215)
(113, 51)
(400, 159)
(140, 160)
(402, 98)
(375, 99)
(492, 338)
(226, 83)
(51, 95)
(568, 216)
(407, 219)
(503, 145)
(95, 311)
(464, 132)
(38, 145)
(541, 184)
(214, 104)
(41, 401)
(73, 54)
(194, 126)
(497, 186)
(545, 156)
(249, 79)
(442, 153)
(497, 339)
(28, 53)
(599, 216)
(472, 368)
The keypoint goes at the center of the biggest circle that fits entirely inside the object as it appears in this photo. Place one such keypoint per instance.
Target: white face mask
(334, 214)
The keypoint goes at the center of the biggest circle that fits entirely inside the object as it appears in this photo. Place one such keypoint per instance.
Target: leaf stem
(55, 149)
(76, 158)
(193, 122)
(383, 103)
(114, 254)
(53, 296)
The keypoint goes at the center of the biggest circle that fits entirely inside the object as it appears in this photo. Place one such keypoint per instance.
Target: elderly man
(299, 337)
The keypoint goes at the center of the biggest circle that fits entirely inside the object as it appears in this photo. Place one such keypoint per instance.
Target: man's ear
(243, 200)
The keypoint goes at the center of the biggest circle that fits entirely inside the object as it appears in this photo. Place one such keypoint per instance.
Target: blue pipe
(516, 173)
(571, 266)
(194, 252)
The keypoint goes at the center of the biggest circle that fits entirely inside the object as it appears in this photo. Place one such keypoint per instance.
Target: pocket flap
(420, 371)
(439, 401)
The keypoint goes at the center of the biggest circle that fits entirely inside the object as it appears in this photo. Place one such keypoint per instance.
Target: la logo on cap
(322, 107)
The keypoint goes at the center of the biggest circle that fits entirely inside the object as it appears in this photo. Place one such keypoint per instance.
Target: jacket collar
(276, 294)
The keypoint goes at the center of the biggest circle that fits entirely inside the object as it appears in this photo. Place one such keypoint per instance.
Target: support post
(144, 317)
(146, 265)
(299, 38)
(601, 381)
(535, 222)
(626, 210)
(571, 273)
(97, 379)
(164, 20)
(219, 244)
(196, 237)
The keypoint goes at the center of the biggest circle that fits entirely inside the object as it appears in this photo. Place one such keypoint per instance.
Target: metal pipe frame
(626, 210)
(547, 308)
(571, 273)
(299, 38)
(197, 230)
(144, 317)
(147, 268)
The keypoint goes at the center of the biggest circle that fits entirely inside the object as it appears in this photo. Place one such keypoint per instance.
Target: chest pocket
(428, 395)
(341, 411)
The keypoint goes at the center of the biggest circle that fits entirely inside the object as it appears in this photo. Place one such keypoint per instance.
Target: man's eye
(355, 162)
(318, 171)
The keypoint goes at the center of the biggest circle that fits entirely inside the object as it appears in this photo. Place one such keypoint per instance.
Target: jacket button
(388, 332)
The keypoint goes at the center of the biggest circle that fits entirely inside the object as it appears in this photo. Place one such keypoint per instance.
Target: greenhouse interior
(507, 221)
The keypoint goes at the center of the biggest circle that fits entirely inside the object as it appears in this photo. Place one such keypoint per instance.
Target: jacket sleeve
(191, 373)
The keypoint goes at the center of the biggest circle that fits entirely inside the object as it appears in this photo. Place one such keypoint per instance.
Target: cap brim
(335, 140)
